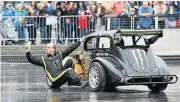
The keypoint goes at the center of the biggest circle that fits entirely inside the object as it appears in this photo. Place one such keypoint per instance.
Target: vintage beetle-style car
(124, 57)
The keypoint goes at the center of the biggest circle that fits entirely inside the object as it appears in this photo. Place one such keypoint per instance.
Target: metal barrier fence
(67, 29)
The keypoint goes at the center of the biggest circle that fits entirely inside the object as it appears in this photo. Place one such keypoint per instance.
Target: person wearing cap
(20, 23)
(99, 12)
(9, 12)
(57, 66)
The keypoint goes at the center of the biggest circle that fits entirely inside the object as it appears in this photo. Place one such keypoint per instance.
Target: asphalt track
(23, 82)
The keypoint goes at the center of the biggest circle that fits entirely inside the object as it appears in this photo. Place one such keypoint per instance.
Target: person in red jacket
(82, 21)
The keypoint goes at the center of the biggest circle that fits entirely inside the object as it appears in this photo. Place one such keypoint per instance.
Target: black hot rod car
(124, 57)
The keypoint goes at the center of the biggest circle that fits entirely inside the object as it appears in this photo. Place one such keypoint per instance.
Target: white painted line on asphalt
(14, 63)
(178, 75)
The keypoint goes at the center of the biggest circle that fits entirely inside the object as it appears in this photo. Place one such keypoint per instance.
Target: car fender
(161, 65)
(108, 66)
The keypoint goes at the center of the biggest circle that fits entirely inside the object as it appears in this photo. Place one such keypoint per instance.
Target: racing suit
(58, 67)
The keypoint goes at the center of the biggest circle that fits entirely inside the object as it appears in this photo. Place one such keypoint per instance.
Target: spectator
(33, 5)
(128, 7)
(50, 10)
(63, 9)
(117, 7)
(122, 14)
(68, 25)
(99, 12)
(82, 21)
(24, 8)
(135, 4)
(58, 13)
(176, 5)
(75, 20)
(73, 7)
(91, 22)
(43, 13)
(170, 20)
(160, 10)
(124, 20)
(58, 9)
(31, 24)
(133, 12)
(91, 7)
(1, 7)
(8, 13)
(20, 24)
(150, 3)
(48, 7)
(145, 11)
(154, 4)
(80, 6)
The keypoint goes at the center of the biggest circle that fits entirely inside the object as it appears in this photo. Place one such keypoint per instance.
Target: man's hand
(83, 39)
(28, 46)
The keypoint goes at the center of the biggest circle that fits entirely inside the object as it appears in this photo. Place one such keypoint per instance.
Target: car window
(104, 42)
(91, 44)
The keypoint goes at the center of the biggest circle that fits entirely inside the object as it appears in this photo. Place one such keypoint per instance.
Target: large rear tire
(98, 79)
(157, 87)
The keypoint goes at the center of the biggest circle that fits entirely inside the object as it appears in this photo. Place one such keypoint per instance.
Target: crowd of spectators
(81, 24)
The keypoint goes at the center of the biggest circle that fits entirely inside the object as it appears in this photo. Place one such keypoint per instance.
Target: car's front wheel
(157, 87)
(97, 77)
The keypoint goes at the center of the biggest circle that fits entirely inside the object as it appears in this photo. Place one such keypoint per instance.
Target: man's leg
(71, 77)
(74, 79)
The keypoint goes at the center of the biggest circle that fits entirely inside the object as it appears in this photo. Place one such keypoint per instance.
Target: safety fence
(67, 29)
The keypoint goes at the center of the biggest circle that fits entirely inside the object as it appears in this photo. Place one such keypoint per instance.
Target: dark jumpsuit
(57, 72)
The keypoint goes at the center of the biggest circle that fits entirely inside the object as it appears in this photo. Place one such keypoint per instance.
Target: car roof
(110, 32)
(127, 32)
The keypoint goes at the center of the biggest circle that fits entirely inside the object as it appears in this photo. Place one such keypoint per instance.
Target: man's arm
(30, 58)
(34, 60)
(71, 48)
(103, 11)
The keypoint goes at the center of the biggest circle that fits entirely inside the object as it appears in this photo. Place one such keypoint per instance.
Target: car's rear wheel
(157, 87)
(50, 84)
(97, 77)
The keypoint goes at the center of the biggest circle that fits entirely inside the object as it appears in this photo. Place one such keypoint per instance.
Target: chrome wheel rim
(94, 77)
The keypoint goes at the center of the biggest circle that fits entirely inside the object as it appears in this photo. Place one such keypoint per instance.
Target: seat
(118, 52)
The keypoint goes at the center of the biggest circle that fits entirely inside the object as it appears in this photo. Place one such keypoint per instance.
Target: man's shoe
(84, 84)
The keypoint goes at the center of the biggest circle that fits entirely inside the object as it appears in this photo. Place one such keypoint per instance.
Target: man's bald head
(51, 48)
(145, 4)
